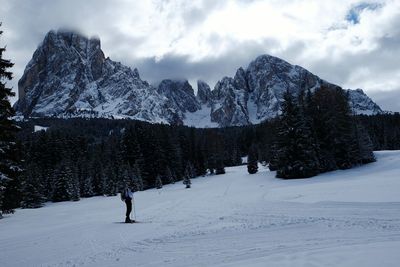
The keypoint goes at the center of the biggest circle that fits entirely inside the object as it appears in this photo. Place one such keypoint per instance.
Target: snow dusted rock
(68, 75)
(180, 93)
(362, 104)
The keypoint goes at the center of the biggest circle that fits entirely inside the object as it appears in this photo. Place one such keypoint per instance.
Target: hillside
(342, 218)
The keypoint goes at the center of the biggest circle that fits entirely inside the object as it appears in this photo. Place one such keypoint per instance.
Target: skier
(127, 196)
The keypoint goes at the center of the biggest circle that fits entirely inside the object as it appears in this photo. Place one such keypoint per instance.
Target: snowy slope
(343, 218)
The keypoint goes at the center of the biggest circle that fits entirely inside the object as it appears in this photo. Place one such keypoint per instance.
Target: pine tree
(296, 154)
(127, 178)
(344, 141)
(252, 160)
(75, 191)
(137, 178)
(95, 176)
(111, 185)
(274, 159)
(365, 145)
(220, 153)
(220, 167)
(158, 183)
(323, 113)
(9, 166)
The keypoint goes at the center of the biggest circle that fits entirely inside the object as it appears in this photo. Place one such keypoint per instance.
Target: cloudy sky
(355, 44)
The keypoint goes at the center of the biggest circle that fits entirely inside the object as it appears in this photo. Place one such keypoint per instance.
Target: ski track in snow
(343, 218)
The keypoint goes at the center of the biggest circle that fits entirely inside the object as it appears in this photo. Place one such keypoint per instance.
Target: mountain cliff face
(69, 76)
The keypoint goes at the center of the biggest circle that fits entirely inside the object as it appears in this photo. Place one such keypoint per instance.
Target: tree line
(78, 158)
(318, 133)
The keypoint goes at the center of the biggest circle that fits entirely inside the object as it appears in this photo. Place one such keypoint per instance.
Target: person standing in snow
(127, 196)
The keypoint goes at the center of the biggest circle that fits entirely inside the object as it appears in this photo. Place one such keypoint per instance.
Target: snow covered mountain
(255, 94)
(69, 76)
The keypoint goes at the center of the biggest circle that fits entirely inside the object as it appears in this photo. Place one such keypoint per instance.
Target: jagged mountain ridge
(69, 76)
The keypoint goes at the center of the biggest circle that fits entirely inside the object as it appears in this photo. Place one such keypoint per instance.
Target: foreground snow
(343, 218)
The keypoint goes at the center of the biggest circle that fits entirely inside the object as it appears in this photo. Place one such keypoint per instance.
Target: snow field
(342, 218)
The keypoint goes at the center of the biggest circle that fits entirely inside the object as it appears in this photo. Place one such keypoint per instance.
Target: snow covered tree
(158, 183)
(32, 188)
(186, 181)
(75, 192)
(63, 184)
(87, 186)
(190, 171)
(9, 166)
(252, 160)
(211, 163)
(170, 177)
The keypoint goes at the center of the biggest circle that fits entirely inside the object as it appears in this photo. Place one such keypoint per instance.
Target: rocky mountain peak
(362, 104)
(203, 92)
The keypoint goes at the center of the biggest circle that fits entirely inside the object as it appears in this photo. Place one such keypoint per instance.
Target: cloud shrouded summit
(352, 43)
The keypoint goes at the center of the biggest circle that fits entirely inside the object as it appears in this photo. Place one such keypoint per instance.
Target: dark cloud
(209, 69)
(196, 15)
(387, 100)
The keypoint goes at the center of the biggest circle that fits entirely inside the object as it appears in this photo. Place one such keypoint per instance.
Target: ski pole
(134, 210)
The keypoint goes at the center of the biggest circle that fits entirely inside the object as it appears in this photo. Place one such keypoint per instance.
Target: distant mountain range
(69, 76)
